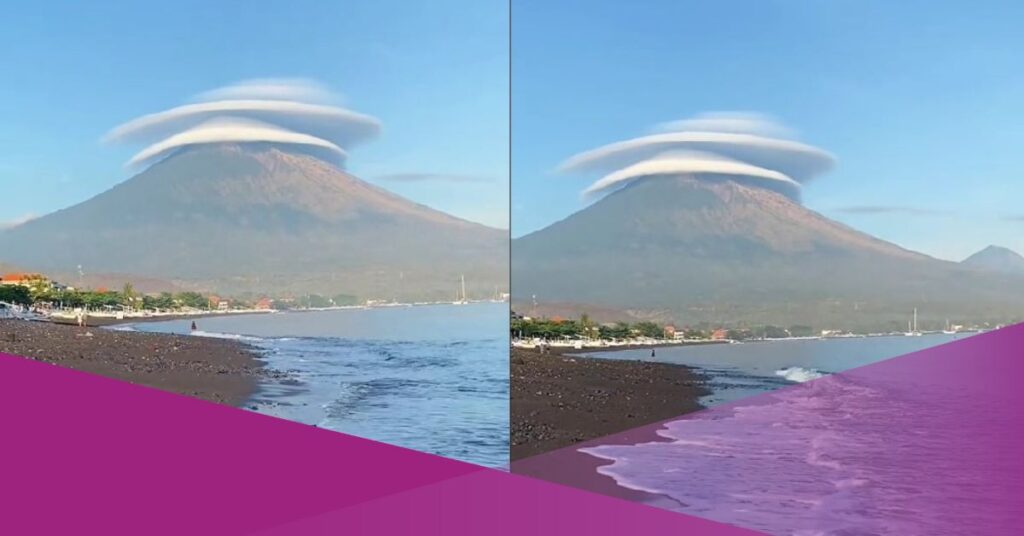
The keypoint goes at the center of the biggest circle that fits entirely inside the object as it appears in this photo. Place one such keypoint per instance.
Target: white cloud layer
(272, 110)
(684, 163)
(739, 144)
(226, 130)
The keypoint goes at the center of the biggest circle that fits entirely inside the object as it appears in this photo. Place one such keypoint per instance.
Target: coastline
(217, 370)
(565, 397)
(565, 400)
(94, 321)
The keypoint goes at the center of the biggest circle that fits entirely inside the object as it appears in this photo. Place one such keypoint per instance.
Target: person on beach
(81, 319)
(194, 325)
(652, 352)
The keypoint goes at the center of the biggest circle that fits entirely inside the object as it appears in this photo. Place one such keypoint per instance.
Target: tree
(586, 326)
(194, 300)
(801, 331)
(650, 329)
(16, 294)
(738, 334)
(345, 299)
(128, 296)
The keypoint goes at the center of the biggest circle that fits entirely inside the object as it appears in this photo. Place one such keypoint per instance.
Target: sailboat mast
(915, 319)
(463, 279)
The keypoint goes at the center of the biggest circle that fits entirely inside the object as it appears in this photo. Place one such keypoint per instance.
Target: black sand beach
(217, 370)
(558, 400)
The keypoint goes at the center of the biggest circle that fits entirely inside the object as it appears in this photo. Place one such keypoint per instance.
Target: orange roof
(19, 277)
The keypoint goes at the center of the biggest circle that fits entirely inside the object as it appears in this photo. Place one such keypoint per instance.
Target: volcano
(258, 217)
(723, 250)
(997, 259)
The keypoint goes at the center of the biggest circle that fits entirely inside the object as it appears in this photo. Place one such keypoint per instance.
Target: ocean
(432, 378)
(736, 371)
(881, 450)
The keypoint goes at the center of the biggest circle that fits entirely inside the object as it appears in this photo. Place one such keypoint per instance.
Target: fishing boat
(460, 299)
(912, 330)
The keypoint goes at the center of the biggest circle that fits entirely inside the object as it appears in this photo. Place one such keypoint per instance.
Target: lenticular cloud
(741, 145)
(284, 111)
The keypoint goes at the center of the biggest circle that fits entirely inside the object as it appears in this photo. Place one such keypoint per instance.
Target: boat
(461, 298)
(912, 330)
(18, 312)
(948, 331)
(89, 318)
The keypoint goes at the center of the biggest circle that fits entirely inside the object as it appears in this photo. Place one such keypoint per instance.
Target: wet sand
(218, 370)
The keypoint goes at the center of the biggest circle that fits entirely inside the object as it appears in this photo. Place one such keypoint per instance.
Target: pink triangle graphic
(926, 443)
(83, 454)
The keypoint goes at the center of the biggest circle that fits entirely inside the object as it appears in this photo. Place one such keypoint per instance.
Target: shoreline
(565, 400)
(567, 386)
(217, 370)
(113, 321)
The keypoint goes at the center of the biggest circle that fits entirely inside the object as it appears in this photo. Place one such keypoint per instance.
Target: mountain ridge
(716, 250)
(256, 218)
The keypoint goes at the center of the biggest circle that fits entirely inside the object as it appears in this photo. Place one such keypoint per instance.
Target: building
(265, 304)
(23, 279)
(669, 332)
(719, 334)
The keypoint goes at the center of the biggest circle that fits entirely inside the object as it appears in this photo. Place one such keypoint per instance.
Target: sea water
(789, 448)
(432, 378)
(735, 371)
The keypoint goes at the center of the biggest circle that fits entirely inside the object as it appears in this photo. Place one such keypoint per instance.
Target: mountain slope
(997, 259)
(254, 217)
(719, 251)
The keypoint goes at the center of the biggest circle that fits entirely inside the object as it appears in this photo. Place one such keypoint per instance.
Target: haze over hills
(262, 217)
(723, 249)
(998, 259)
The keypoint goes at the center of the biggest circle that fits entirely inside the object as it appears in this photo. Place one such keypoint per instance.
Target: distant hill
(998, 259)
(728, 252)
(255, 217)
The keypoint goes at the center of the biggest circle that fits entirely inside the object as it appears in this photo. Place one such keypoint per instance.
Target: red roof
(20, 277)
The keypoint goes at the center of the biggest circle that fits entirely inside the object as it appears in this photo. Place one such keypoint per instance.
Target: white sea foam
(218, 335)
(799, 374)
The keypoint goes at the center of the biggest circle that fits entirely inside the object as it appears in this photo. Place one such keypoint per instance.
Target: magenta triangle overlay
(931, 442)
(84, 454)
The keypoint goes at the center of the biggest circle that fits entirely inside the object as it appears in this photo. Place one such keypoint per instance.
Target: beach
(560, 399)
(439, 384)
(218, 370)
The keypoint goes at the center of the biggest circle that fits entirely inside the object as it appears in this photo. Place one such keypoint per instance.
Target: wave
(800, 374)
(219, 335)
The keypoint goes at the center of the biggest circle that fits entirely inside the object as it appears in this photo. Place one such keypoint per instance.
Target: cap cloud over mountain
(720, 236)
(261, 217)
(245, 191)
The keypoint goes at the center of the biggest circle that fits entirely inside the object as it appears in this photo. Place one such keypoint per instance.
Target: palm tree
(128, 296)
(587, 326)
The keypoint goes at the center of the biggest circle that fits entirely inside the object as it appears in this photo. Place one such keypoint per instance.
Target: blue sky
(921, 102)
(434, 72)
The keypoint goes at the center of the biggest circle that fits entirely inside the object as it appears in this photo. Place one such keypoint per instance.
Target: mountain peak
(996, 258)
(728, 250)
(256, 217)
